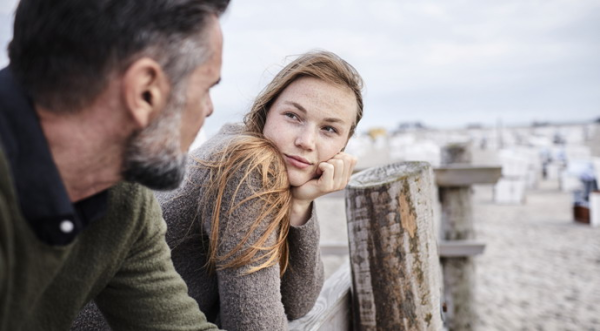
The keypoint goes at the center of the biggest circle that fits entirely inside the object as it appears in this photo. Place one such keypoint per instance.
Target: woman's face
(310, 123)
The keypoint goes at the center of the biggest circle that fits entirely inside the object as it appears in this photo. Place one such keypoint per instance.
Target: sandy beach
(540, 270)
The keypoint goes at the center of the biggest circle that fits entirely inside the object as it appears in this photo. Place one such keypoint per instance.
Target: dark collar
(43, 199)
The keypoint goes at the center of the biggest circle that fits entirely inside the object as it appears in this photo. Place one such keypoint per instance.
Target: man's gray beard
(153, 156)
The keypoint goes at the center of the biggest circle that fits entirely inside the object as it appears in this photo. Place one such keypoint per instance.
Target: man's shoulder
(133, 201)
(130, 191)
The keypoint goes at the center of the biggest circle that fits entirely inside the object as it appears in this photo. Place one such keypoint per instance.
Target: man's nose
(209, 105)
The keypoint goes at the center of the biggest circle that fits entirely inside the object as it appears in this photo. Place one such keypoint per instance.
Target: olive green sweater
(121, 260)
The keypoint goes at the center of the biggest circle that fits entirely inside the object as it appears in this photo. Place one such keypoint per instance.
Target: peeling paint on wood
(407, 214)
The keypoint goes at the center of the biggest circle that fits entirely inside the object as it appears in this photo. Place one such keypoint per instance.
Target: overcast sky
(444, 63)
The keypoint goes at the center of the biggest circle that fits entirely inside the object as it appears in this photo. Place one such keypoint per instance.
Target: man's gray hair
(66, 63)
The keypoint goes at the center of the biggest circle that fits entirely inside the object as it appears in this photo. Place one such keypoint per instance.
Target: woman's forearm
(303, 279)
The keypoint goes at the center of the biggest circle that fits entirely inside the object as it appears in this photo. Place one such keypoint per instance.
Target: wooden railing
(457, 233)
(333, 310)
(394, 256)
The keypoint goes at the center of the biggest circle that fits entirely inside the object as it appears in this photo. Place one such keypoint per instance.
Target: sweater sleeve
(252, 301)
(146, 293)
(303, 280)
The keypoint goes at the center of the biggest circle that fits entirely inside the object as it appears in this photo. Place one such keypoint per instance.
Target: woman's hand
(334, 176)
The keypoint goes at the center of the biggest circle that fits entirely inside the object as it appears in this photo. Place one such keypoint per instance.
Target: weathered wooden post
(457, 224)
(393, 253)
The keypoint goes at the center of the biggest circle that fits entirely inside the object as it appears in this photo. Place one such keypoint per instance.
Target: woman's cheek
(297, 179)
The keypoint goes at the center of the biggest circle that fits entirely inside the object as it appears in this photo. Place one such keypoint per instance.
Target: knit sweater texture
(237, 301)
(121, 260)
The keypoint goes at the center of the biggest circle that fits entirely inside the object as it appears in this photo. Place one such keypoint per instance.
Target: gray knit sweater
(258, 301)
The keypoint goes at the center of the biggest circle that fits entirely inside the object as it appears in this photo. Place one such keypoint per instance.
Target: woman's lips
(297, 161)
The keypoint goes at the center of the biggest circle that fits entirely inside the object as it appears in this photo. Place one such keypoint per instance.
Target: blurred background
(516, 82)
(443, 64)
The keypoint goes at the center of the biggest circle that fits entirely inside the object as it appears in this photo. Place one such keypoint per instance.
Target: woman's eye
(291, 115)
(330, 129)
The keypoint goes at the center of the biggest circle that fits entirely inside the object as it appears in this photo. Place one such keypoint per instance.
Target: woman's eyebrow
(297, 105)
(302, 109)
(334, 120)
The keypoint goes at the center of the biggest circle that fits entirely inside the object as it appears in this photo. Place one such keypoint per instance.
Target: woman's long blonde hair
(251, 153)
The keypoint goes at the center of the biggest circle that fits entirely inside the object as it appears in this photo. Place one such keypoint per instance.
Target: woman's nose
(306, 139)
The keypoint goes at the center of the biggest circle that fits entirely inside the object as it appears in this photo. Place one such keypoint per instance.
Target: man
(99, 97)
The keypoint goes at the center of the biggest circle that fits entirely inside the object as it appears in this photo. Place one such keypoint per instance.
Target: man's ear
(145, 90)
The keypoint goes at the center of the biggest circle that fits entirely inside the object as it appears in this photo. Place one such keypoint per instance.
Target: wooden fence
(393, 280)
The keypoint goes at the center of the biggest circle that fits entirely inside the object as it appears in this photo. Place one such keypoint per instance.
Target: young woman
(242, 228)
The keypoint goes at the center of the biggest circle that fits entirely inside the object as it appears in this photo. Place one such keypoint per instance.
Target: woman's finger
(349, 163)
(350, 169)
(338, 174)
(326, 181)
